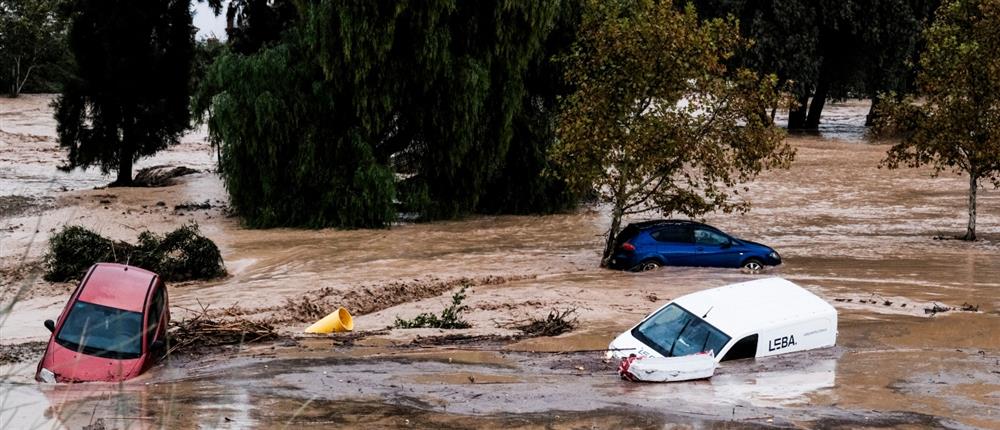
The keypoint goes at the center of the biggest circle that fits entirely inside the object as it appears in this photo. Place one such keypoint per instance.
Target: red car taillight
(628, 247)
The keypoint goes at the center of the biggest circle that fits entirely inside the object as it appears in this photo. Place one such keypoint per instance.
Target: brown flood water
(846, 229)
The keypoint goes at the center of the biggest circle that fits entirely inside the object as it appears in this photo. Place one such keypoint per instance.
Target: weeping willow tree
(288, 155)
(363, 104)
(519, 187)
(442, 87)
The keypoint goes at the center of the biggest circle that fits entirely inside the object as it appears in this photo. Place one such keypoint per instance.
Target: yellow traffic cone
(339, 320)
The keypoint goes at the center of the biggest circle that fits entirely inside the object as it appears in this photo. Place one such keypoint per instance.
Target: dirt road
(857, 235)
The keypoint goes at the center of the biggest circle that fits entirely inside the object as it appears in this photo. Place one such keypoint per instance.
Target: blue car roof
(646, 225)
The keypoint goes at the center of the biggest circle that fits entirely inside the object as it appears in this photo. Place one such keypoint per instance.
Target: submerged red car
(112, 329)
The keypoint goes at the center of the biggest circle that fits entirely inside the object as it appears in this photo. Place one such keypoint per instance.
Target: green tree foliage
(439, 85)
(659, 122)
(952, 121)
(453, 97)
(128, 97)
(32, 44)
(205, 53)
(180, 255)
(520, 187)
(289, 156)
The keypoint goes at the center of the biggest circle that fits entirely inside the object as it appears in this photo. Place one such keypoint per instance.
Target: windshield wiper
(679, 334)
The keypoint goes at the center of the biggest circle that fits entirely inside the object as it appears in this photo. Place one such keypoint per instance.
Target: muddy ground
(857, 235)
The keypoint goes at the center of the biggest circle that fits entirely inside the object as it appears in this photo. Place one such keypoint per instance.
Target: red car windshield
(102, 331)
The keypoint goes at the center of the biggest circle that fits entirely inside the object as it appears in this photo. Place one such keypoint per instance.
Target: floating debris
(190, 206)
(203, 331)
(160, 176)
(554, 324)
(936, 309)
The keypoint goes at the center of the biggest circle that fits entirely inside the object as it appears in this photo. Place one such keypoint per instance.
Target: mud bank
(845, 228)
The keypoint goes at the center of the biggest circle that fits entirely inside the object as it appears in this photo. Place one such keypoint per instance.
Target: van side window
(745, 348)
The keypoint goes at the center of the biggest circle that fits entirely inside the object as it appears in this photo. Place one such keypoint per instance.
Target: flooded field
(856, 235)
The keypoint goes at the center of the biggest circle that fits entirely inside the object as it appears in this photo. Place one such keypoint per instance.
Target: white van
(751, 319)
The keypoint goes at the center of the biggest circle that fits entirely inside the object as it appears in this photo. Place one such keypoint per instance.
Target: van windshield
(673, 332)
(102, 331)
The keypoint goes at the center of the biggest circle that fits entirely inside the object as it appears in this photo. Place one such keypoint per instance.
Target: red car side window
(155, 315)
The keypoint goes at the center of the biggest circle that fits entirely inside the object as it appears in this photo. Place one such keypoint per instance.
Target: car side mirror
(51, 325)
(726, 245)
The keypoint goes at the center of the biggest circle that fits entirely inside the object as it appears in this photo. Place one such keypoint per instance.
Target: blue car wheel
(648, 265)
(753, 265)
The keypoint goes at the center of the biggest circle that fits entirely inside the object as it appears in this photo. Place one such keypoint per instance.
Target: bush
(74, 249)
(180, 255)
(449, 318)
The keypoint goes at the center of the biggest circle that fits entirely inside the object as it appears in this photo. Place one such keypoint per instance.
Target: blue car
(651, 244)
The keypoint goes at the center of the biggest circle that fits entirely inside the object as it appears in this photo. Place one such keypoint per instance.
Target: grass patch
(181, 255)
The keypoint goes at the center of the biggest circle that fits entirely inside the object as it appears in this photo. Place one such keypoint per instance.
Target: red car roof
(117, 286)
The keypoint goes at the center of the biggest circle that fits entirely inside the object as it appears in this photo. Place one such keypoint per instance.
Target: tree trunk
(125, 155)
(873, 111)
(124, 169)
(797, 114)
(970, 231)
(609, 246)
(816, 107)
(15, 71)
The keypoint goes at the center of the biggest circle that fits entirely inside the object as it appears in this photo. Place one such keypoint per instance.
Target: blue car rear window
(672, 234)
(102, 331)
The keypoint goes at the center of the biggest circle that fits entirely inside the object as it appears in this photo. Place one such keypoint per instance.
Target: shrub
(180, 255)
(450, 317)
(74, 249)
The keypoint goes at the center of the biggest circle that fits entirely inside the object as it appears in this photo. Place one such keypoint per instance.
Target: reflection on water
(769, 382)
(777, 387)
(129, 405)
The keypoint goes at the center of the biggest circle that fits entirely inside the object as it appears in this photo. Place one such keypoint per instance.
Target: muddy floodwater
(873, 242)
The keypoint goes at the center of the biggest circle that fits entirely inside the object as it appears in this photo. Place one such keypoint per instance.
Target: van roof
(749, 307)
(117, 286)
